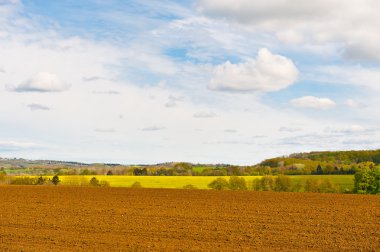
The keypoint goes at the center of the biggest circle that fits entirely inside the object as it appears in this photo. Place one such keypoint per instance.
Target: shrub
(311, 185)
(40, 181)
(136, 185)
(297, 186)
(283, 184)
(94, 182)
(55, 180)
(367, 180)
(219, 184)
(3, 177)
(237, 183)
(23, 181)
(189, 186)
(256, 185)
(326, 186)
(268, 183)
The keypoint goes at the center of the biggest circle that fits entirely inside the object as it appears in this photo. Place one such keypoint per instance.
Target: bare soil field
(48, 218)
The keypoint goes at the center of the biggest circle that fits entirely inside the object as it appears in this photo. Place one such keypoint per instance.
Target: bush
(326, 186)
(311, 185)
(256, 185)
(136, 185)
(55, 180)
(219, 184)
(23, 181)
(3, 177)
(40, 181)
(283, 184)
(189, 186)
(297, 186)
(237, 183)
(367, 180)
(94, 182)
(268, 183)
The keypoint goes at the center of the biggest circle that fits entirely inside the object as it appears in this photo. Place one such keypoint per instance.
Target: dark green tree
(55, 180)
(319, 169)
(94, 182)
(219, 184)
(237, 183)
(40, 181)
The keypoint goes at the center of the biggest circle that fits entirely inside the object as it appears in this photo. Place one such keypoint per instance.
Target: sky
(202, 81)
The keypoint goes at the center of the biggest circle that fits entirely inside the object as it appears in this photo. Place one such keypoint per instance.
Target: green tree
(283, 183)
(237, 183)
(312, 185)
(219, 184)
(55, 180)
(268, 183)
(319, 169)
(40, 181)
(367, 180)
(94, 182)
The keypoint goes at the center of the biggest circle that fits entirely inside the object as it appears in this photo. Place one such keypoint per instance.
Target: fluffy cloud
(313, 102)
(351, 25)
(42, 82)
(269, 72)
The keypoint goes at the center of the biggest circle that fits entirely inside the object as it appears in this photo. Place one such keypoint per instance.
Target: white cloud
(269, 72)
(354, 104)
(42, 82)
(313, 102)
(352, 25)
(349, 75)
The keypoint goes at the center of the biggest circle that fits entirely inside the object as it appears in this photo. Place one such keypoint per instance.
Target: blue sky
(199, 81)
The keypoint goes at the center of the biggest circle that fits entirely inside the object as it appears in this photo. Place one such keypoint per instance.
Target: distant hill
(340, 157)
(323, 162)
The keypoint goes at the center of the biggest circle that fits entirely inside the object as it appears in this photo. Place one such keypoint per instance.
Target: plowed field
(39, 218)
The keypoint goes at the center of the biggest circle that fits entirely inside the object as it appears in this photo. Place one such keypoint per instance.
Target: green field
(200, 182)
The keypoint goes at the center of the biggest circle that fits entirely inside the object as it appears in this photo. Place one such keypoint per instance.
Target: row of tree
(281, 183)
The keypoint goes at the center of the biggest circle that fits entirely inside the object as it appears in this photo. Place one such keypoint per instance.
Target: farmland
(199, 182)
(36, 218)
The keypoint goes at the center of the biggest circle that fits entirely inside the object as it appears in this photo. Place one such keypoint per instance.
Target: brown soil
(39, 218)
